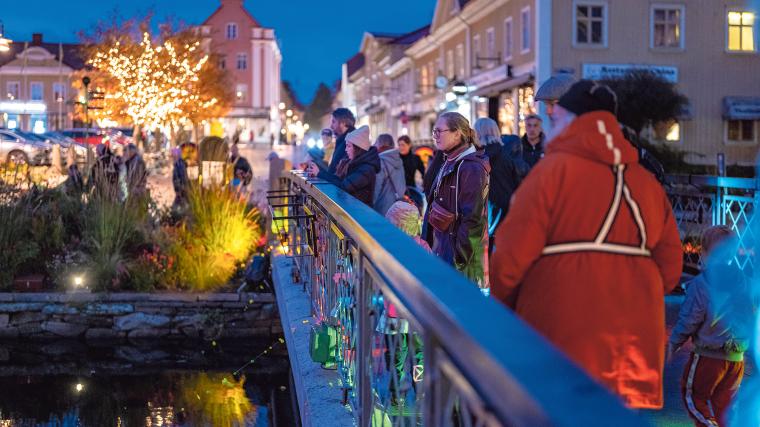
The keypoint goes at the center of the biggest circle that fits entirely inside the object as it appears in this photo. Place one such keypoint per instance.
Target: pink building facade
(251, 53)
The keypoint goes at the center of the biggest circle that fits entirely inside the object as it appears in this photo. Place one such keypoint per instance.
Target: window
(59, 92)
(232, 31)
(525, 30)
(667, 26)
(242, 61)
(491, 46)
(241, 92)
(460, 61)
(476, 49)
(222, 62)
(36, 91)
(741, 34)
(508, 39)
(424, 82)
(450, 64)
(740, 130)
(590, 24)
(13, 90)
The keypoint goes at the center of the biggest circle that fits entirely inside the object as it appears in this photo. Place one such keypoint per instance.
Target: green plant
(16, 248)
(220, 233)
(152, 270)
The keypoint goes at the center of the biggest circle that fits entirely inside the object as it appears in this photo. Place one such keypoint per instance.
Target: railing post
(362, 314)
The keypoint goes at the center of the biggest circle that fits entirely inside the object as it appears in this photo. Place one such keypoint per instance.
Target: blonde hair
(487, 131)
(456, 121)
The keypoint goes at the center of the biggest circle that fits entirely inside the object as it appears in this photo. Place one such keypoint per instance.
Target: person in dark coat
(389, 184)
(180, 180)
(505, 174)
(104, 175)
(137, 174)
(357, 173)
(457, 213)
(342, 123)
(412, 162)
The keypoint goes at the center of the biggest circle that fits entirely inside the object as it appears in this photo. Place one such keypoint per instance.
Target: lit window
(241, 92)
(741, 37)
(508, 39)
(14, 89)
(232, 31)
(741, 130)
(242, 61)
(450, 64)
(36, 91)
(59, 92)
(589, 24)
(525, 29)
(667, 26)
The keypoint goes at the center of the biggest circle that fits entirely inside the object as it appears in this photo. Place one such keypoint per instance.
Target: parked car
(86, 136)
(20, 149)
(67, 144)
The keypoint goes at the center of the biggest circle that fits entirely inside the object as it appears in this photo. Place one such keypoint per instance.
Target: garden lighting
(79, 387)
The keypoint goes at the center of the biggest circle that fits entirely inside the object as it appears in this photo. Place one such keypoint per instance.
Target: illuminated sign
(22, 107)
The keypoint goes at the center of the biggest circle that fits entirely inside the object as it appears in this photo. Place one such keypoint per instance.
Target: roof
(412, 36)
(382, 35)
(72, 55)
(248, 14)
(355, 63)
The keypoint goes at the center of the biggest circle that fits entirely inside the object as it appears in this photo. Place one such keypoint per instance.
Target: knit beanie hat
(586, 96)
(405, 216)
(360, 137)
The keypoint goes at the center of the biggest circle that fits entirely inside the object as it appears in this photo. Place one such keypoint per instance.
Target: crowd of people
(569, 227)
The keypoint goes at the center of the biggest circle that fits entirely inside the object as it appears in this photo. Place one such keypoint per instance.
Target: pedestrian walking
(341, 124)
(412, 162)
(504, 177)
(389, 183)
(589, 249)
(180, 181)
(717, 315)
(457, 208)
(356, 174)
(104, 175)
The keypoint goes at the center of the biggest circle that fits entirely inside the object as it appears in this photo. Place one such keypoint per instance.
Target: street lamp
(5, 44)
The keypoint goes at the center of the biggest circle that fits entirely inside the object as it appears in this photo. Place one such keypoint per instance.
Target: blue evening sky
(316, 36)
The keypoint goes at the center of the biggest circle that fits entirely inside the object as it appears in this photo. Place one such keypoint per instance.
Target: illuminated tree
(163, 81)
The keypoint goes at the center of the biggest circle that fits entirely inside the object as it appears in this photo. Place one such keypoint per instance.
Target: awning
(504, 85)
(741, 108)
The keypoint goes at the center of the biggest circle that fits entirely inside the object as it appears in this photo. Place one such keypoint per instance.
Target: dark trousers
(708, 385)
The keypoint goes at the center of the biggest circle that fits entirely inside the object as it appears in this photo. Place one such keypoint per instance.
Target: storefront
(503, 97)
(24, 115)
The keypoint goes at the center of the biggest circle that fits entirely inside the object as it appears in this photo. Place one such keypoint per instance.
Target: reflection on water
(102, 393)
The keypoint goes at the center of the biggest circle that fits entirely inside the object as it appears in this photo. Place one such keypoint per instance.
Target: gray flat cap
(555, 87)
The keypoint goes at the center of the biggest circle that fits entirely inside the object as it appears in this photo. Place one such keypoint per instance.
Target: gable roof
(253, 20)
(441, 16)
(354, 64)
(72, 55)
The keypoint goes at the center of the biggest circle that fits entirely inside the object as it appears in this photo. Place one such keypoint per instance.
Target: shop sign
(612, 71)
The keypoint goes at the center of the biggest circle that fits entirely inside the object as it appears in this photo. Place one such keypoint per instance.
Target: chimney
(37, 39)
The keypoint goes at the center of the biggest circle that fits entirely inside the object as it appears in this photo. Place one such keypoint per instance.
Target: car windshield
(32, 136)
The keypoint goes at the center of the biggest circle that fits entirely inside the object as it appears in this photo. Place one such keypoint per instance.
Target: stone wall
(137, 315)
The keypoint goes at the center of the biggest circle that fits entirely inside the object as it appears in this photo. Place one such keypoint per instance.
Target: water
(68, 383)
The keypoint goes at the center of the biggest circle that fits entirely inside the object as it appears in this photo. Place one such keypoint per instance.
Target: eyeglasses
(437, 132)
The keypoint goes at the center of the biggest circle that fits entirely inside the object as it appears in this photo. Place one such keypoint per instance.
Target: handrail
(714, 181)
(518, 376)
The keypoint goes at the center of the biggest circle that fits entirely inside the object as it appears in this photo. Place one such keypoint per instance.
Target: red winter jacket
(587, 253)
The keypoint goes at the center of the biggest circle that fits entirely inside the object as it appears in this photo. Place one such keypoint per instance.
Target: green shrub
(16, 247)
(220, 233)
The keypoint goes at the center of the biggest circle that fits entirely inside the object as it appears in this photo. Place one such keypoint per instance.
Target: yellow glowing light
(79, 387)
(289, 113)
(78, 282)
(282, 106)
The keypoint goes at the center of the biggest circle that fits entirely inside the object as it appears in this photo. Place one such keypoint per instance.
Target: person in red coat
(590, 248)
